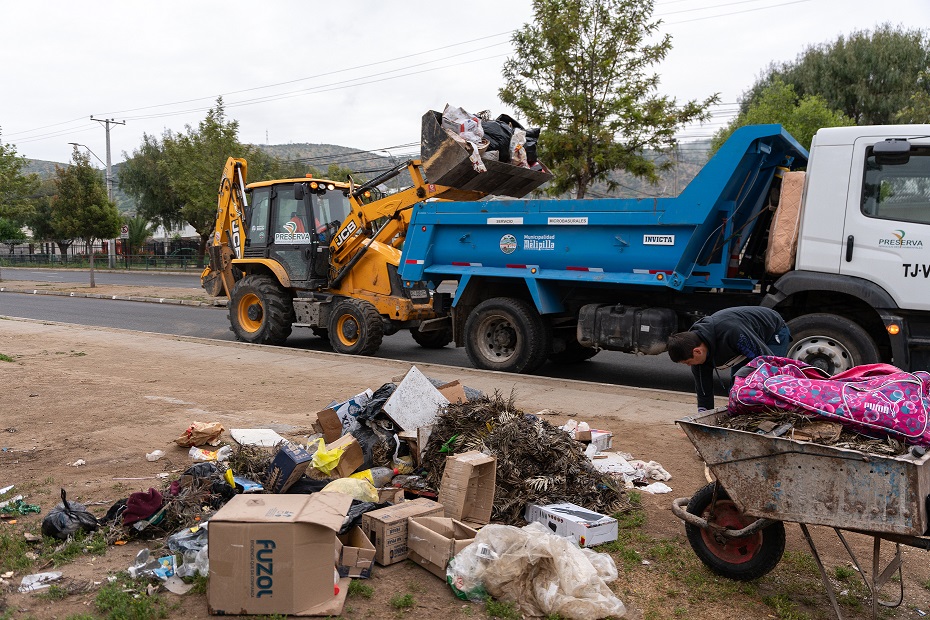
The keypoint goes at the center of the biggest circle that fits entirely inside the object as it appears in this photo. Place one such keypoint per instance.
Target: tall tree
(16, 187)
(870, 76)
(779, 103)
(81, 209)
(139, 231)
(583, 74)
(42, 222)
(144, 176)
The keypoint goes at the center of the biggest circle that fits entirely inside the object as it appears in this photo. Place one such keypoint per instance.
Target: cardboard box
(339, 418)
(265, 551)
(352, 457)
(433, 541)
(453, 391)
(467, 488)
(602, 440)
(586, 527)
(354, 554)
(286, 468)
(390, 494)
(387, 528)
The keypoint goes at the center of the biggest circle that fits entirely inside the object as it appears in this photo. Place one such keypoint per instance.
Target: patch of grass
(120, 602)
(81, 617)
(402, 601)
(200, 584)
(359, 588)
(414, 587)
(5, 358)
(13, 549)
(79, 544)
(843, 572)
(784, 608)
(631, 520)
(498, 609)
(53, 593)
(801, 562)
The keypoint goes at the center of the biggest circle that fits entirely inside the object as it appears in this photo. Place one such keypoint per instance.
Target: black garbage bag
(532, 138)
(376, 402)
(67, 518)
(498, 135)
(356, 510)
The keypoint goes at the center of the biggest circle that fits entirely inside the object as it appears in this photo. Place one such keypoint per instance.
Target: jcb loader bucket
(446, 162)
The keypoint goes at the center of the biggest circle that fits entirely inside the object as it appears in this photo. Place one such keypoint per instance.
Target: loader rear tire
(355, 327)
(506, 334)
(435, 339)
(260, 310)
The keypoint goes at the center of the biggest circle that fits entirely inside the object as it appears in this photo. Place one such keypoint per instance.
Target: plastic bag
(518, 148)
(359, 489)
(199, 433)
(195, 563)
(189, 539)
(543, 574)
(67, 518)
(326, 460)
(465, 127)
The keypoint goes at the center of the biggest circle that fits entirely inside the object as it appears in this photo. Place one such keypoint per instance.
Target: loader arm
(228, 239)
(357, 232)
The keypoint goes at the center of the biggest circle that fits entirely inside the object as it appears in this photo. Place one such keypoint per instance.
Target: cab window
(258, 215)
(899, 192)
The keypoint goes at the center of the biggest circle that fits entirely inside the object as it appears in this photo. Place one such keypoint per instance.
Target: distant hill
(691, 157)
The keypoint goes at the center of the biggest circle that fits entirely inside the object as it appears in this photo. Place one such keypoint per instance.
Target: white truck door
(886, 235)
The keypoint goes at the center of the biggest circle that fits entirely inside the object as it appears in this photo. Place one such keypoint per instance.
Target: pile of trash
(416, 469)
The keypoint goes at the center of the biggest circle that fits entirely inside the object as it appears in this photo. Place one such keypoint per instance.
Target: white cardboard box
(585, 527)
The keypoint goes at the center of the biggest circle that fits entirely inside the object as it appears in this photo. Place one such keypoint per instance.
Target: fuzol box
(586, 527)
(286, 468)
(467, 488)
(433, 541)
(265, 555)
(387, 527)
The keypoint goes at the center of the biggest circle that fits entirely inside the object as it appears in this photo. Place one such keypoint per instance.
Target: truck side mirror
(892, 152)
(299, 191)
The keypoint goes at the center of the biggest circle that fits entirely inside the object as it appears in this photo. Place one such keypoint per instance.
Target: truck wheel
(355, 327)
(506, 334)
(260, 311)
(743, 559)
(573, 353)
(435, 339)
(830, 342)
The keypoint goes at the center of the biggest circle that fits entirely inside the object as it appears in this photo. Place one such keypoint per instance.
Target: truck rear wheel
(506, 334)
(830, 342)
(355, 327)
(260, 311)
(435, 339)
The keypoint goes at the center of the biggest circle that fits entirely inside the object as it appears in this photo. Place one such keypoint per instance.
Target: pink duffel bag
(877, 400)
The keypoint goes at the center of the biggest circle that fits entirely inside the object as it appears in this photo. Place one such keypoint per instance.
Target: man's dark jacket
(732, 336)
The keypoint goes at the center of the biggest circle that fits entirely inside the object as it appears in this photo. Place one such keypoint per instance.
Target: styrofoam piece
(415, 402)
(260, 437)
(612, 463)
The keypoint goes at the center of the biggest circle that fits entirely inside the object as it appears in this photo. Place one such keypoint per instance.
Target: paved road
(123, 278)
(206, 322)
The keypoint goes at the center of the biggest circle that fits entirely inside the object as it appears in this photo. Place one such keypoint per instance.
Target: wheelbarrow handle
(679, 508)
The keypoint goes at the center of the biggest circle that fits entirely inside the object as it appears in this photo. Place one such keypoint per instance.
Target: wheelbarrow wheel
(742, 559)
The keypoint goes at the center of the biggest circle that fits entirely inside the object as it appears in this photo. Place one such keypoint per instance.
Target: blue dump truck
(837, 240)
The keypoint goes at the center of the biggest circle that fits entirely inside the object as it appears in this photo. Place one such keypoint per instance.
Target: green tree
(16, 187)
(41, 220)
(11, 233)
(144, 176)
(583, 74)
(139, 231)
(81, 209)
(779, 103)
(917, 109)
(869, 76)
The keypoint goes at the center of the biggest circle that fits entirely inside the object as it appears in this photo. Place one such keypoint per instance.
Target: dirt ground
(108, 397)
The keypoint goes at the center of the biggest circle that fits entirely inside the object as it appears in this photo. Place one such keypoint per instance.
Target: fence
(143, 262)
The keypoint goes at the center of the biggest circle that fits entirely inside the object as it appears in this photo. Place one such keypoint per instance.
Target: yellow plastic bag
(362, 490)
(326, 460)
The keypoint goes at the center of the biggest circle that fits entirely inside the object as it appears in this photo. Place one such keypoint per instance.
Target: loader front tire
(260, 310)
(355, 327)
(506, 334)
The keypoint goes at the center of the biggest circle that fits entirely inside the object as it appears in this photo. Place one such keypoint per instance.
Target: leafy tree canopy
(144, 176)
(583, 74)
(779, 103)
(871, 77)
(16, 188)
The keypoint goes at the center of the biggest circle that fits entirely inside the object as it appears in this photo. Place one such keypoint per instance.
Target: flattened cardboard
(433, 541)
(252, 534)
(286, 468)
(454, 392)
(339, 418)
(387, 528)
(585, 527)
(467, 488)
(415, 402)
(352, 455)
(354, 554)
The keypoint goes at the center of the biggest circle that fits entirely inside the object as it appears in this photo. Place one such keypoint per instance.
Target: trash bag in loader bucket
(445, 162)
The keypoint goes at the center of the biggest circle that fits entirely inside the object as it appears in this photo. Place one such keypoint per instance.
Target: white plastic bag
(543, 574)
(466, 128)
(518, 148)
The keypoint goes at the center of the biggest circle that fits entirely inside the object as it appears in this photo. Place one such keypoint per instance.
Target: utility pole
(106, 122)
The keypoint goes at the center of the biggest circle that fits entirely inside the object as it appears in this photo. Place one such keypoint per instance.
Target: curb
(216, 303)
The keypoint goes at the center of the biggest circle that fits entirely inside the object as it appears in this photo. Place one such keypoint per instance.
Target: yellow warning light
(660, 276)
(894, 329)
(533, 270)
(314, 185)
(308, 175)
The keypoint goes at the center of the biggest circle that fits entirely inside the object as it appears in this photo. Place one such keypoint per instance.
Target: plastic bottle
(377, 476)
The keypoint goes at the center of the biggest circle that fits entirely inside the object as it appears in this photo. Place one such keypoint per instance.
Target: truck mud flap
(446, 162)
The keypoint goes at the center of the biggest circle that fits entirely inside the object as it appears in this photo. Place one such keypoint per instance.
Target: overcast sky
(358, 73)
